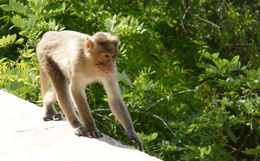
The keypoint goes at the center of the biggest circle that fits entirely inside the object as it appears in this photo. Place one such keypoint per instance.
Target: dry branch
(171, 95)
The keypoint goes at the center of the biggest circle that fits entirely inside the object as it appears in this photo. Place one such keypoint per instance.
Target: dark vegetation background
(188, 70)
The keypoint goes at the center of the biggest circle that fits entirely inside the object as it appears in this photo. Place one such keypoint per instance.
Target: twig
(231, 147)
(183, 17)
(102, 124)
(107, 118)
(101, 110)
(202, 19)
(36, 102)
(207, 21)
(171, 95)
(143, 113)
(158, 118)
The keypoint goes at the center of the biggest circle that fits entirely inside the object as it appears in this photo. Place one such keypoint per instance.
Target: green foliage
(21, 76)
(166, 47)
(148, 138)
(31, 19)
(126, 27)
(21, 79)
(10, 39)
(253, 151)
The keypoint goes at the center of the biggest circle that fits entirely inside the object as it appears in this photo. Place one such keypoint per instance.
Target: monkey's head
(104, 47)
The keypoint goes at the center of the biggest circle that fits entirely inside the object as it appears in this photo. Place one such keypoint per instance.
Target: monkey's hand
(85, 131)
(133, 136)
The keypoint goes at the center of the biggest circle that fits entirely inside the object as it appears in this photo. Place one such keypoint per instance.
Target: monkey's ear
(88, 44)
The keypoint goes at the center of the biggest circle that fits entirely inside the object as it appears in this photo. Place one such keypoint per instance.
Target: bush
(188, 70)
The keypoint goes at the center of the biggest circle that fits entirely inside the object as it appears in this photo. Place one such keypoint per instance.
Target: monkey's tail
(44, 83)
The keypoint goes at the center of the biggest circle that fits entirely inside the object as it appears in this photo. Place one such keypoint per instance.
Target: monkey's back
(55, 41)
(61, 45)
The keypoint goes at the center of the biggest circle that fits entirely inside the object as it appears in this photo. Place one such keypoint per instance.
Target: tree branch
(143, 113)
(202, 19)
(207, 21)
(100, 110)
(107, 118)
(171, 95)
(183, 17)
(158, 118)
(96, 111)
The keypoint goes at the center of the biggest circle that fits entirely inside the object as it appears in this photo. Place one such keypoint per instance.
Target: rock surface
(25, 136)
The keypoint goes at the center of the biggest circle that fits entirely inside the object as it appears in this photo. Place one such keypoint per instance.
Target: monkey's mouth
(105, 67)
(100, 63)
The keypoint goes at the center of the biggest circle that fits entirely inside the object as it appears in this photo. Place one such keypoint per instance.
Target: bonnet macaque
(71, 60)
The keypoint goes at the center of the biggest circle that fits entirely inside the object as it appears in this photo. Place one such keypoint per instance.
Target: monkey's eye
(107, 56)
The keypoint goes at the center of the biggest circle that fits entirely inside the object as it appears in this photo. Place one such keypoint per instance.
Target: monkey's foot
(54, 117)
(84, 131)
(133, 136)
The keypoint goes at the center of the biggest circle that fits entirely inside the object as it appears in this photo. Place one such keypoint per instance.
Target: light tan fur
(72, 60)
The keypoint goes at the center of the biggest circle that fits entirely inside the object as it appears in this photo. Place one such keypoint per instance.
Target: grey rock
(25, 136)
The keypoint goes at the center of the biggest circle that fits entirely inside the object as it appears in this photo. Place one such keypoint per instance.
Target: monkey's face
(106, 61)
(104, 48)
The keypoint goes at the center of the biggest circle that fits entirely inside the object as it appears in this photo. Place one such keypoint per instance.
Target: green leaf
(18, 7)
(213, 68)
(148, 138)
(5, 7)
(235, 59)
(125, 79)
(7, 40)
(19, 41)
(215, 55)
(253, 151)
(231, 135)
(110, 24)
(20, 22)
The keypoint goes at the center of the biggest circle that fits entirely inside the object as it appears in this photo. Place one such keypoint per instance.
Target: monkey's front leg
(120, 111)
(89, 128)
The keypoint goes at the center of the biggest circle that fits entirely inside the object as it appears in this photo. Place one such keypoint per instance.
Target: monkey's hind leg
(50, 111)
(49, 97)
(60, 86)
